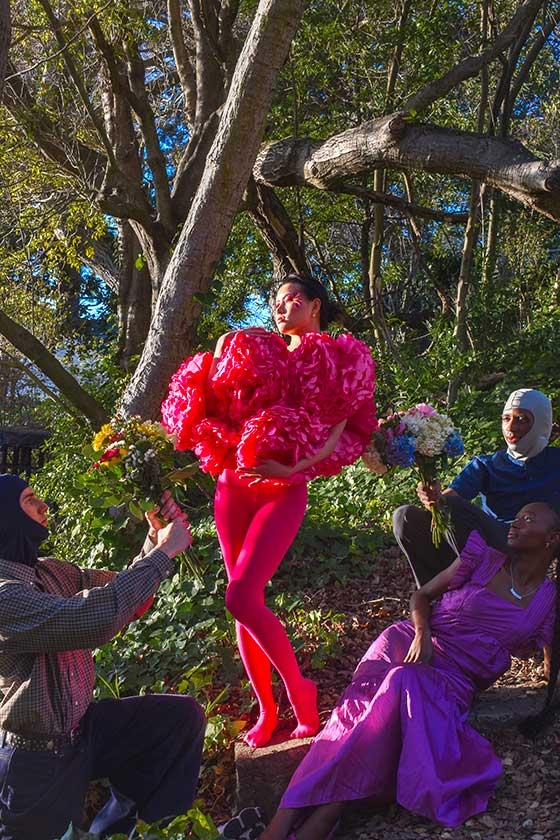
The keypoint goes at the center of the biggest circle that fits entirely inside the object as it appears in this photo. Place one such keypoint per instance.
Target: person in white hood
(528, 470)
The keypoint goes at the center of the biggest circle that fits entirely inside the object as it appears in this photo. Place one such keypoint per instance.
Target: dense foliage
(97, 174)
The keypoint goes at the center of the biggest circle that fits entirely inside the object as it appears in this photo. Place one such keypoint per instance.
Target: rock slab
(262, 775)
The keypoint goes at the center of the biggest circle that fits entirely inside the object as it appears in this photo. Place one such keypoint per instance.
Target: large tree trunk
(211, 216)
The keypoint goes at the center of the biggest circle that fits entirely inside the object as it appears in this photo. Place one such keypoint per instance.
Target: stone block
(505, 706)
(262, 774)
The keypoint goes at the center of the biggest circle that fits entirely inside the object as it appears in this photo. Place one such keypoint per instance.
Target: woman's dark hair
(313, 289)
(535, 724)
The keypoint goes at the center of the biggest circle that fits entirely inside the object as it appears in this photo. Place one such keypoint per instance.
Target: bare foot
(261, 733)
(307, 714)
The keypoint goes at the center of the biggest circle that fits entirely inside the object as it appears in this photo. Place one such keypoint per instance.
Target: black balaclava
(20, 536)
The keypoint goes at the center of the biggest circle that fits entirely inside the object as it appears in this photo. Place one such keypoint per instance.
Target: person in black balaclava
(53, 739)
(527, 471)
(22, 521)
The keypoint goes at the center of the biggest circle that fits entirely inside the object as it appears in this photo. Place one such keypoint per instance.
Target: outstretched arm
(420, 610)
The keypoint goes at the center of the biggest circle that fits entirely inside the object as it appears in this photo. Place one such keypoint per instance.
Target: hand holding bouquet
(135, 462)
(419, 438)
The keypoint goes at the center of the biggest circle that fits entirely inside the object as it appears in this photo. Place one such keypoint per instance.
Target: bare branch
(406, 207)
(49, 365)
(472, 65)
(539, 41)
(155, 157)
(77, 79)
(210, 91)
(182, 60)
(276, 228)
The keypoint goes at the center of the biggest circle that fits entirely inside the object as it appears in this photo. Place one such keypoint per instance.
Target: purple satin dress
(400, 732)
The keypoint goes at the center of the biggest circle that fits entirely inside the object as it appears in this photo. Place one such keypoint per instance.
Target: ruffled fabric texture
(263, 402)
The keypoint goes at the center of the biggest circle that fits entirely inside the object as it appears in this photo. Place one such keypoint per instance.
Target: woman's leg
(233, 510)
(319, 825)
(271, 532)
(276, 516)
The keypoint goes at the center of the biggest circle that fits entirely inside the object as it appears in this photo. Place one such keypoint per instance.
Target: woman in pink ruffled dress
(267, 416)
(400, 730)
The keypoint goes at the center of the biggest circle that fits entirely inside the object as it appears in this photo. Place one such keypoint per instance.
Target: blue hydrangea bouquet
(420, 438)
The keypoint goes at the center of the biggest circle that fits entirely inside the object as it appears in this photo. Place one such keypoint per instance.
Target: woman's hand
(226, 337)
(420, 649)
(268, 469)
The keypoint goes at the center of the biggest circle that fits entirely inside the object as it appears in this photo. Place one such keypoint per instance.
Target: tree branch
(472, 65)
(155, 157)
(539, 41)
(182, 60)
(395, 143)
(86, 164)
(406, 207)
(48, 364)
(77, 79)
(275, 226)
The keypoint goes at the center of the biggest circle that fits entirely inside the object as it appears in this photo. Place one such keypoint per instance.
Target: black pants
(412, 529)
(149, 749)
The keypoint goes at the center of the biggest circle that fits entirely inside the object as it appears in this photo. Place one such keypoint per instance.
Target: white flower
(432, 436)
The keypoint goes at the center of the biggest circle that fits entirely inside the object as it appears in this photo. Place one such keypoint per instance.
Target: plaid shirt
(51, 616)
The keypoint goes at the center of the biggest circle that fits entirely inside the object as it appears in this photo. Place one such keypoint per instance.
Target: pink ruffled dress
(265, 402)
(400, 732)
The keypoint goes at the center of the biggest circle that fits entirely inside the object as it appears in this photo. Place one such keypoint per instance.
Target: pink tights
(256, 525)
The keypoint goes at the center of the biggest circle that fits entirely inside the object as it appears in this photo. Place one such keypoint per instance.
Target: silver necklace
(514, 591)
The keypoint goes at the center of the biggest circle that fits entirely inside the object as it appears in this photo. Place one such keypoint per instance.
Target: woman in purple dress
(400, 731)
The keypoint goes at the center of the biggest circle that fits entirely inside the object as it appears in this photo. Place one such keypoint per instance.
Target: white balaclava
(538, 435)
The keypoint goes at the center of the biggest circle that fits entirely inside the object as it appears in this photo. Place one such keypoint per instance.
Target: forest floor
(526, 803)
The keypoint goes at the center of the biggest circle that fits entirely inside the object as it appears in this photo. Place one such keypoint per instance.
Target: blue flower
(454, 446)
(400, 451)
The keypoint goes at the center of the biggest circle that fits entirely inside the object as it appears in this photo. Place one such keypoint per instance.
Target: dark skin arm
(420, 610)
(429, 494)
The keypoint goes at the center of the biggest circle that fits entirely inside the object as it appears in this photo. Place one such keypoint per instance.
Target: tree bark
(134, 299)
(393, 142)
(33, 349)
(212, 213)
(275, 226)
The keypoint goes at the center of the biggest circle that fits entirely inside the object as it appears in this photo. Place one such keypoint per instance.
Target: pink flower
(186, 403)
(425, 409)
(251, 374)
(109, 454)
(280, 433)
